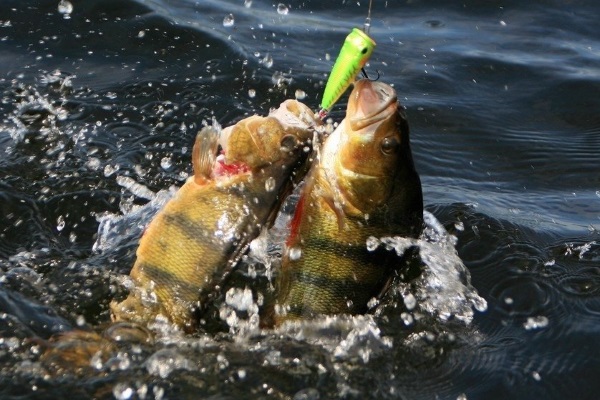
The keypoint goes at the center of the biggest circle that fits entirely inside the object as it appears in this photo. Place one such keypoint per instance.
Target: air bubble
(252, 93)
(300, 94)
(247, 3)
(228, 21)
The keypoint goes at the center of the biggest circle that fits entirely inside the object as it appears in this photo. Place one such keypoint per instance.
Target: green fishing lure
(353, 56)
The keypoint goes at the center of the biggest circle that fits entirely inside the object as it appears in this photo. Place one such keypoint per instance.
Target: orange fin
(204, 154)
(296, 219)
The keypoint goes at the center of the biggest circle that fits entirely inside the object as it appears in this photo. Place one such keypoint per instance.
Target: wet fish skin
(191, 245)
(363, 184)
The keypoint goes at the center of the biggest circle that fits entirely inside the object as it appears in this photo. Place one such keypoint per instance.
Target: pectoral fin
(204, 154)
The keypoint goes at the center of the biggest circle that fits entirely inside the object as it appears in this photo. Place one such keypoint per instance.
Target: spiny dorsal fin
(204, 154)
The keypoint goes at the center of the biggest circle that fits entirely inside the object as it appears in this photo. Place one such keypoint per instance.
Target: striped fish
(197, 238)
(363, 184)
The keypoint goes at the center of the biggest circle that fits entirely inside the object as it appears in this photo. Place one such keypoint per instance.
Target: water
(100, 102)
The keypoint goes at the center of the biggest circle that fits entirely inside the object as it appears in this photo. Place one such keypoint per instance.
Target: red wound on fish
(223, 169)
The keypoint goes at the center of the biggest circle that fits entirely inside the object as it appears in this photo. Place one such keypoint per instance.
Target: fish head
(256, 142)
(373, 146)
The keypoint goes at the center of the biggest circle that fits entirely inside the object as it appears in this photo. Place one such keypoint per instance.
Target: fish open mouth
(370, 102)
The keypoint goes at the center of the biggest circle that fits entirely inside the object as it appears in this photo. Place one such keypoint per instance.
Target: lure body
(355, 53)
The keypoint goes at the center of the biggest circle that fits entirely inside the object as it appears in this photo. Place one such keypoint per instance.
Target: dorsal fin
(204, 154)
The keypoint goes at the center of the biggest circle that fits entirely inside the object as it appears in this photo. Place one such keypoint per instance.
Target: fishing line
(366, 28)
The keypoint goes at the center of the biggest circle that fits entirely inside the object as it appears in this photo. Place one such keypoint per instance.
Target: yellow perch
(188, 249)
(363, 184)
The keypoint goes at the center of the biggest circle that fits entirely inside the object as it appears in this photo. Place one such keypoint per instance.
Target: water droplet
(109, 169)
(372, 243)
(295, 253)
(228, 21)
(267, 61)
(270, 184)
(122, 391)
(280, 79)
(60, 223)
(66, 8)
(407, 318)
(536, 322)
(282, 9)
(166, 163)
(550, 263)
(251, 93)
(373, 302)
(300, 94)
(158, 392)
(247, 3)
(93, 163)
(409, 301)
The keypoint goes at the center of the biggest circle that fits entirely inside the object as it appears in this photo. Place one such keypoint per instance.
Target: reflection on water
(98, 115)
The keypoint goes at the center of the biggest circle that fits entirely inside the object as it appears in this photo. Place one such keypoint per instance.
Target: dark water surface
(503, 98)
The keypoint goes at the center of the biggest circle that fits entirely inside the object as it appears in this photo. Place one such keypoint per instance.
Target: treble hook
(364, 73)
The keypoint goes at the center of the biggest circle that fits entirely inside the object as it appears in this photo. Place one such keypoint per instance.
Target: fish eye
(288, 143)
(364, 50)
(390, 145)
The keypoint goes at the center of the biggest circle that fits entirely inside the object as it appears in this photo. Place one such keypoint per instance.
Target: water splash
(163, 362)
(443, 290)
(347, 338)
(116, 229)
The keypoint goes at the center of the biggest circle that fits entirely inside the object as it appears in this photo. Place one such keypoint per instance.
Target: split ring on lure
(353, 56)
